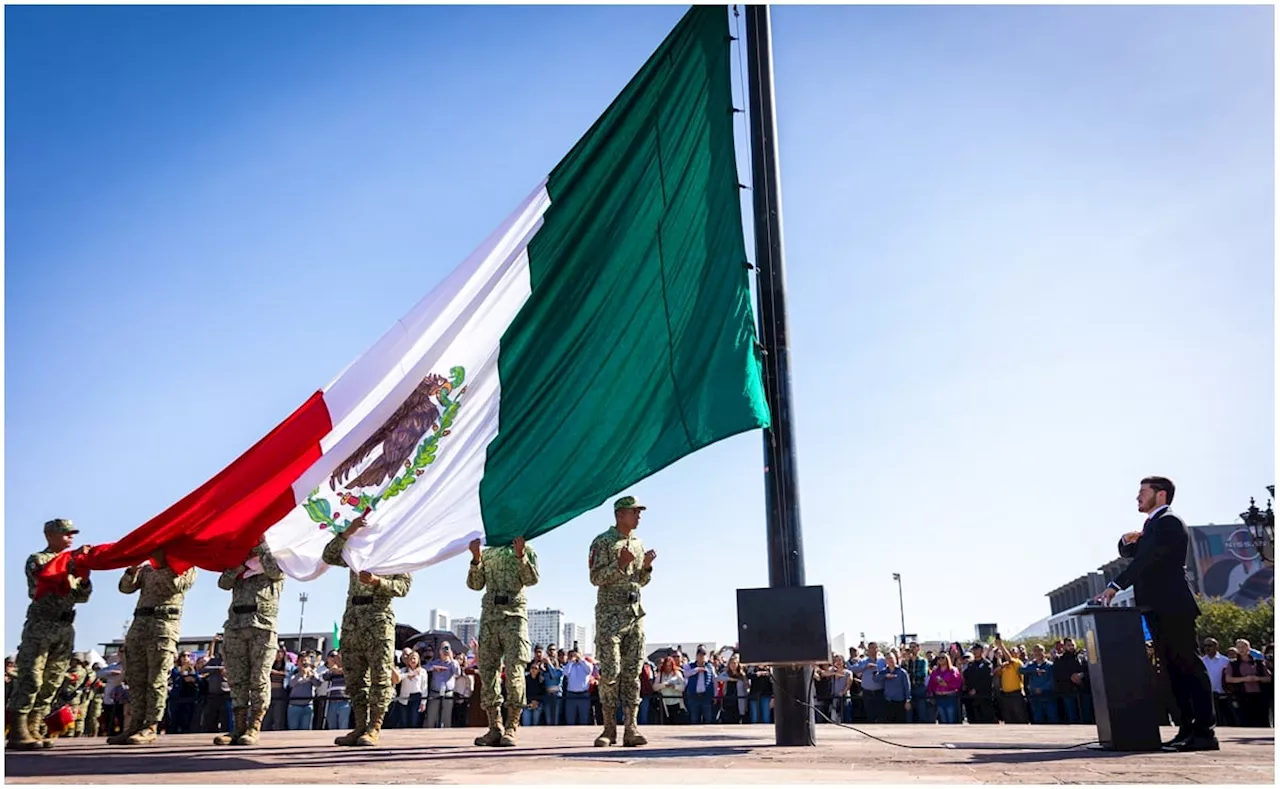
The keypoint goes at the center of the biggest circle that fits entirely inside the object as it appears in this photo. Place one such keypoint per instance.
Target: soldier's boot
(145, 736)
(20, 738)
(123, 737)
(228, 737)
(39, 732)
(494, 735)
(631, 736)
(509, 739)
(252, 727)
(360, 717)
(610, 734)
(371, 734)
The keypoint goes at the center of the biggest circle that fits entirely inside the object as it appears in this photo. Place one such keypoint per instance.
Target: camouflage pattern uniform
(93, 708)
(48, 639)
(368, 645)
(504, 634)
(151, 644)
(249, 643)
(619, 624)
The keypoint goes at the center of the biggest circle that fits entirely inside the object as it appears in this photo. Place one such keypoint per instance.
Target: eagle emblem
(400, 450)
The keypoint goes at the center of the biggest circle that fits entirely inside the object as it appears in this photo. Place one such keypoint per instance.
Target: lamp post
(302, 598)
(1262, 527)
(902, 635)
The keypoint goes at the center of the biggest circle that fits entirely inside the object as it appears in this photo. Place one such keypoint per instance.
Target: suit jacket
(1158, 570)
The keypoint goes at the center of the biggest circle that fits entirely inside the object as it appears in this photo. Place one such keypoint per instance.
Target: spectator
(183, 693)
(442, 676)
(1245, 680)
(895, 684)
(1216, 664)
(1013, 706)
(1039, 682)
(945, 684)
(217, 714)
(301, 689)
(553, 690)
(699, 688)
(918, 672)
(577, 690)
(760, 694)
(1068, 681)
(872, 690)
(841, 679)
(337, 708)
(535, 689)
(408, 705)
(670, 683)
(463, 689)
(113, 694)
(978, 689)
(278, 711)
(734, 678)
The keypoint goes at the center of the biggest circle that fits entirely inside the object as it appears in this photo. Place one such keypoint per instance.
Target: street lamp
(1262, 527)
(902, 636)
(302, 598)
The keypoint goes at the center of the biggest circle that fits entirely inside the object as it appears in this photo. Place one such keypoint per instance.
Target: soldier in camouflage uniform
(619, 567)
(250, 641)
(93, 709)
(48, 639)
(368, 641)
(503, 572)
(151, 643)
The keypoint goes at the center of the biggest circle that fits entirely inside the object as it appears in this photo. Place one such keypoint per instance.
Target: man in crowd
(368, 640)
(918, 672)
(48, 639)
(1013, 707)
(249, 642)
(872, 688)
(1215, 663)
(1069, 672)
(700, 688)
(442, 675)
(217, 710)
(620, 567)
(553, 687)
(502, 572)
(577, 689)
(152, 643)
(337, 708)
(977, 687)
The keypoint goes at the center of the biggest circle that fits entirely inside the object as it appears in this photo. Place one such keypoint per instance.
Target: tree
(1226, 621)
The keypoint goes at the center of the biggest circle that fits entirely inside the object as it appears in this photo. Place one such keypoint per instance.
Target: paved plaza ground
(676, 755)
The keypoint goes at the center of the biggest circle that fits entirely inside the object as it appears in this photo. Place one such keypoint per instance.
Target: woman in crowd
(734, 678)
(276, 713)
(760, 694)
(184, 691)
(1248, 683)
(670, 684)
(301, 690)
(406, 710)
(841, 679)
(945, 684)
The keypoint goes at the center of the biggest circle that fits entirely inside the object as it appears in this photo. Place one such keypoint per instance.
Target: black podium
(1125, 697)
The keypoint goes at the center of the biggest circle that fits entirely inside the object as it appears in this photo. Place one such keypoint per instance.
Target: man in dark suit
(1158, 577)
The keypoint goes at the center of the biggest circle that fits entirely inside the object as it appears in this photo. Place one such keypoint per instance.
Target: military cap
(60, 526)
(627, 503)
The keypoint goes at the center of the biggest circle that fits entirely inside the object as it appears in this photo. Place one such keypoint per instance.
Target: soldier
(250, 637)
(368, 641)
(48, 639)
(93, 710)
(503, 572)
(151, 643)
(619, 570)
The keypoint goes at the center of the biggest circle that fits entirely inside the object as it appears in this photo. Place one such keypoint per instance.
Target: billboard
(1227, 565)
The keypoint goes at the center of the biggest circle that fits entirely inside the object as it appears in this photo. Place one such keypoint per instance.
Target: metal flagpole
(793, 684)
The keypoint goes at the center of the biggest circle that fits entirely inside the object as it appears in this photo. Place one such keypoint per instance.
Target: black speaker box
(783, 625)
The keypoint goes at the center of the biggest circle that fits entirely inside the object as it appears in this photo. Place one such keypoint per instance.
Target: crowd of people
(434, 684)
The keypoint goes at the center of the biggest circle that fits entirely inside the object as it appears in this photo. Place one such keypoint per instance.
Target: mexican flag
(600, 333)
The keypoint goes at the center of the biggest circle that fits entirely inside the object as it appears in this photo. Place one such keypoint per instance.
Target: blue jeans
(922, 710)
(760, 710)
(554, 706)
(407, 716)
(1044, 708)
(337, 714)
(948, 709)
(642, 712)
(699, 709)
(300, 716)
(532, 717)
(577, 709)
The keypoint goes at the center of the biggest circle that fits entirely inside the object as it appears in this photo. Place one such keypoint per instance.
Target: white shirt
(411, 681)
(1216, 665)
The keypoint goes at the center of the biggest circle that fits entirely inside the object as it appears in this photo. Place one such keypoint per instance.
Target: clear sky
(1030, 257)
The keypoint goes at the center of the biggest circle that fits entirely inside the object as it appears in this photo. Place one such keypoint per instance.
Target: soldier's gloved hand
(649, 556)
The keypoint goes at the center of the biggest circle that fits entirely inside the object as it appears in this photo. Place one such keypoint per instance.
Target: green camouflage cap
(627, 503)
(60, 526)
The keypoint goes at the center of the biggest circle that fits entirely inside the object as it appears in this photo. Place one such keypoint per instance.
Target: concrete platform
(675, 755)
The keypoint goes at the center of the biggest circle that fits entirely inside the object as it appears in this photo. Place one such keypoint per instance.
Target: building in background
(545, 626)
(574, 634)
(1225, 563)
(467, 629)
(198, 646)
(439, 620)
(985, 633)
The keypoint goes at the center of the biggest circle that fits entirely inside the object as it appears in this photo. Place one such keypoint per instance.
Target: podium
(1125, 696)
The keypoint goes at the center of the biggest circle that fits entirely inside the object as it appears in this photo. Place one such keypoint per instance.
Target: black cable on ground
(944, 746)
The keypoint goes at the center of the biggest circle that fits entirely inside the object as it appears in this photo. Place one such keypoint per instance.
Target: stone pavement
(675, 755)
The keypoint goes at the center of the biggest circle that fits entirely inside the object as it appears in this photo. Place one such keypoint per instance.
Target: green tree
(1226, 621)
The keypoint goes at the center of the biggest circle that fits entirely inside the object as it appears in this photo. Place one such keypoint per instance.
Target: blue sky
(1030, 258)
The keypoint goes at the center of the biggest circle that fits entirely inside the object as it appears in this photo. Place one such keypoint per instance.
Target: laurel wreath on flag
(327, 517)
